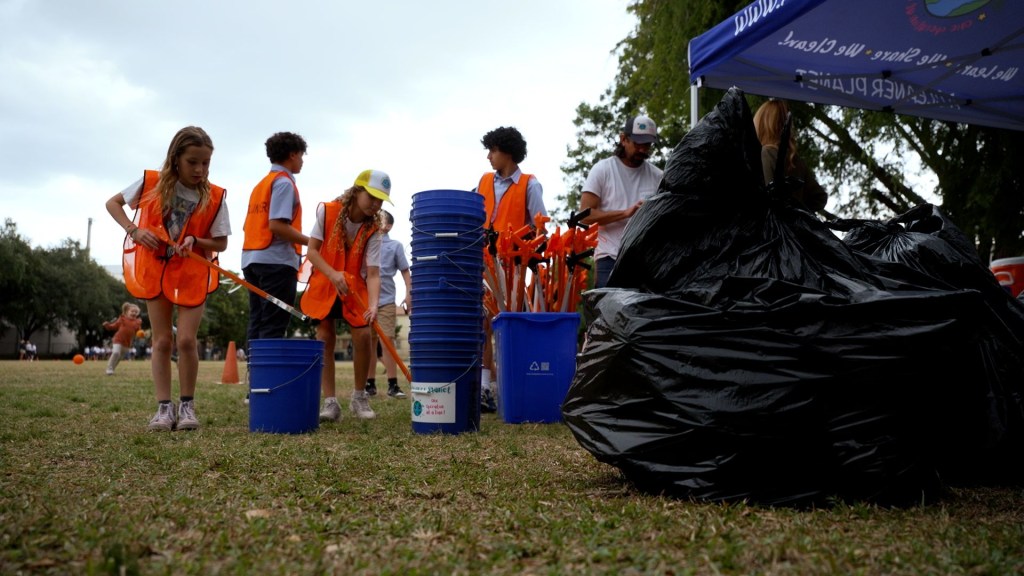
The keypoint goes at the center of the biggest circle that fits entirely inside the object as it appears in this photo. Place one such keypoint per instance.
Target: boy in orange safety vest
(511, 198)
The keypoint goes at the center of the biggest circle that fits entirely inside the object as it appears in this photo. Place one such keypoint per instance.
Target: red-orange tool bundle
(530, 270)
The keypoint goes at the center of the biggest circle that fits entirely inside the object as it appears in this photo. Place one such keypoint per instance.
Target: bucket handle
(443, 283)
(448, 234)
(316, 358)
(1004, 277)
(445, 256)
(472, 364)
(476, 245)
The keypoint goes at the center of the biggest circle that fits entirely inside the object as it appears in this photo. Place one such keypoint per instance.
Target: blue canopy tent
(954, 60)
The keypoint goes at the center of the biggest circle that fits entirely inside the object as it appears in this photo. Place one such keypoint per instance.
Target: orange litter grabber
(376, 327)
(495, 275)
(579, 253)
(253, 288)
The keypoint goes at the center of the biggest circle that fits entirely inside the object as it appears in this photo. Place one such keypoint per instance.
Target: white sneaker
(110, 372)
(187, 416)
(331, 411)
(163, 420)
(361, 405)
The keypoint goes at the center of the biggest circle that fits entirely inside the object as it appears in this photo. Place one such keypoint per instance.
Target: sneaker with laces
(331, 411)
(371, 388)
(395, 392)
(164, 419)
(361, 405)
(487, 403)
(187, 416)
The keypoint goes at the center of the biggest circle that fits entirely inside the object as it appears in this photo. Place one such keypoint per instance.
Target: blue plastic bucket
(446, 202)
(461, 228)
(440, 334)
(454, 234)
(442, 278)
(446, 397)
(469, 267)
(468, 290)
(471, 258)
(454, 351)
(457, 341)
(443, 319)
(535, 353)
(439, 300)
(446, 334)
(284, 385)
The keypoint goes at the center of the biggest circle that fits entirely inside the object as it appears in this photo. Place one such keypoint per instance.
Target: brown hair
(769, 122)
(187, 136)
(347, 198)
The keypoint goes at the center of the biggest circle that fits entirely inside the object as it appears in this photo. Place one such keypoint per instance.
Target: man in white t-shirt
(616, 188)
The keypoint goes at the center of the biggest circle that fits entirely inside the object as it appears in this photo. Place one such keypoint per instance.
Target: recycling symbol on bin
(534, 366)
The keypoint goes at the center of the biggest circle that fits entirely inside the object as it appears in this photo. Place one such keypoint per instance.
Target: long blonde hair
(187, 136)
(769, 122)
(346, 199)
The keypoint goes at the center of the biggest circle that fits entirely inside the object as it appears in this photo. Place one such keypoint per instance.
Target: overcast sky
(93, 92)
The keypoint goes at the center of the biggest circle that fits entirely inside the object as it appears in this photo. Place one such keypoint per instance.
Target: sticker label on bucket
(433, 402)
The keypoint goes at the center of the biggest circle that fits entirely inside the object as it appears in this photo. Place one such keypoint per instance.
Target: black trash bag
(984, 433)
(749, 354)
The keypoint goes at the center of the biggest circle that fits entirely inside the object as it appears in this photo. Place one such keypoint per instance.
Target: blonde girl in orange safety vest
(177, 211)
(343, 246)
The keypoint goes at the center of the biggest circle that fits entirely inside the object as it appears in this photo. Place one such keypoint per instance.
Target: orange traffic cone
(230, 374)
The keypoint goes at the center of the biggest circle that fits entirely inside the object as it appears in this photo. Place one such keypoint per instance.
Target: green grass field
(85, 489)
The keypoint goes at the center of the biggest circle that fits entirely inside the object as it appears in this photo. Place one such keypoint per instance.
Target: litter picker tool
(252, 287)
(376, 327)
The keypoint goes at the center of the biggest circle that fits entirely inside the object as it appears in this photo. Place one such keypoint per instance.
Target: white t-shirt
(351, 229)
(619, 187)
(186, 199)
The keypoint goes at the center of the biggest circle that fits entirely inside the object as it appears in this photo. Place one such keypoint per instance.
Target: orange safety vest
(257, 220)
(149, 273)
(320, 293)
(512, 210)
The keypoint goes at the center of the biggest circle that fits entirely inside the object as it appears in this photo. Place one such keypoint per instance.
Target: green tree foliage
(979, 182)
(866, 159)
(55, 288)
(85, 295)
(51, 289)
(16, 261)
(652, 79)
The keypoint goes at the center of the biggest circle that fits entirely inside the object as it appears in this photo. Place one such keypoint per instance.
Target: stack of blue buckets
(446, 333)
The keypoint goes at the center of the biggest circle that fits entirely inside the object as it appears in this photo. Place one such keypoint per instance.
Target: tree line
(49, 289)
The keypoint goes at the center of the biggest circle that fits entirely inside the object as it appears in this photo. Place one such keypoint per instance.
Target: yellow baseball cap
(377, 183)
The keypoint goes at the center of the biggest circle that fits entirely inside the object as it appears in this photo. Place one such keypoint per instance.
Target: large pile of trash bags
(744, 351)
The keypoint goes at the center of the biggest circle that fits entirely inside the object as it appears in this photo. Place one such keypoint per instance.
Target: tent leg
(694, 104)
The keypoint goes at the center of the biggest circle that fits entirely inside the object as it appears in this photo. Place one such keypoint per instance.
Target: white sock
(485, 379)
(330, 400)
